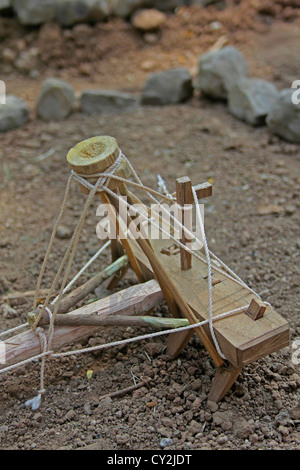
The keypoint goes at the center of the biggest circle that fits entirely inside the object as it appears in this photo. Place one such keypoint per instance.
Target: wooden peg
(255, 310)
(203, 190)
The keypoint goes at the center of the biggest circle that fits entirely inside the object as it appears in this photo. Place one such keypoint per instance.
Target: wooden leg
(222, 382)
(177, 342)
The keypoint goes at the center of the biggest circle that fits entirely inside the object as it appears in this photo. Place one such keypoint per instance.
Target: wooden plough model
(203, 295)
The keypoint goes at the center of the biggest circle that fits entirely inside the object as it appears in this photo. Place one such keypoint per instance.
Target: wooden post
(185, 199)
(222, 382)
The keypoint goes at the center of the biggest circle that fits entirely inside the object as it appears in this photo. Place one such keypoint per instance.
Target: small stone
(222, 440)
(250, 100)
(165, 442)
(223, 419)
(8, 55)
(219, 70)
(8, 312)
(295, 412)
(195, 427)
(154, 349)
(69, 12)
(34, 12)
(63, 232)
(56, 100)
(283, 118)
(14, 113)
(212, 406)
(148, 19)
(70, 415)
(106, 101)
(87, 409)
(284, 431)
(243, 428)
(168, 87)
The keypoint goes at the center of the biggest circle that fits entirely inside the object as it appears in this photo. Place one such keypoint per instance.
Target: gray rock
(125, 8)
(69, 12)
(5, 4)
(33, 12)
(13, 114)
(283, 118)
(106, 101)
(219, 70)
(56, 100)
(166, 5)
(169, 87)
(250, 100)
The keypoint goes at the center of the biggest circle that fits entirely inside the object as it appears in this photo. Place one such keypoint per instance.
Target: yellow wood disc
(96, 155)
(93, 155)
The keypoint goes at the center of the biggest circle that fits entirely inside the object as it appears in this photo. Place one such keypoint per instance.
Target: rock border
(254, 101)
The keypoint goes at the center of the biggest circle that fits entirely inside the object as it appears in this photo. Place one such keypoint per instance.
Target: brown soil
(249, 167)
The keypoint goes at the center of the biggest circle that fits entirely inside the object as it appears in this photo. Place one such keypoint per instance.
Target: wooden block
(255, 311)
(241, 339)
(203, 190)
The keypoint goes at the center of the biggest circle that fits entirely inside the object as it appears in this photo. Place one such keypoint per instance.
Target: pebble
(165, 442)
(148, 19)
(63, 232)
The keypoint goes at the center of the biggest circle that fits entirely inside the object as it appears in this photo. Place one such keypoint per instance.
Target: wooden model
(165, 270)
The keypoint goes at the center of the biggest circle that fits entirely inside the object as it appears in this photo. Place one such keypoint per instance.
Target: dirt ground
(252, 223)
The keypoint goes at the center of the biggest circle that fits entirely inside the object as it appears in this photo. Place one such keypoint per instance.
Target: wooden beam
(137, 299)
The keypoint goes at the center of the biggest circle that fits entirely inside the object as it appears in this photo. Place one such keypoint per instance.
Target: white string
(19, 327)
(209, 281)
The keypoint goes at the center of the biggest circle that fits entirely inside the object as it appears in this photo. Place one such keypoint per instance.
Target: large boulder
(69, 12)
(283, 118)
(107, 101)
(34, 12)
(250, 100)
(56, 100)
(166, 5)
(5, 4)
(14, 113)
(169, 87)
(219, 70)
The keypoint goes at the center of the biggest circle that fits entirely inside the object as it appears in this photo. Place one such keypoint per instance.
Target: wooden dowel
(123, 391)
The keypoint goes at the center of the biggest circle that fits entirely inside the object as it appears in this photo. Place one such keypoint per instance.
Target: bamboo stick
(94, 319)
(82, 291)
